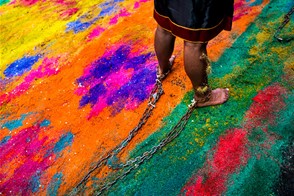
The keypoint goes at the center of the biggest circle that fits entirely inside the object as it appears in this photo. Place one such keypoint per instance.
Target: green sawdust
(2, 2)
(260, 175)
(255, 170)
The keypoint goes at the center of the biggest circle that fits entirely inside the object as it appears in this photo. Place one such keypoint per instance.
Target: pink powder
(265, 104)
(23, 147)
(28, 2)
(95, 33)
(230, 154)
(231, 151)
(97, 108)
(69, 12)
(122, 13)
(116, 80)
(137, 4)
(81, 91)
(112, 83)
(66, 2)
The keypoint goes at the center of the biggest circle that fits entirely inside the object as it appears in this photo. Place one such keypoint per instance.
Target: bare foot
(218, 96)
(171, 62)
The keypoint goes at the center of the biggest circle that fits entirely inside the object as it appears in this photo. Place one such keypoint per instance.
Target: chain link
(286, 20)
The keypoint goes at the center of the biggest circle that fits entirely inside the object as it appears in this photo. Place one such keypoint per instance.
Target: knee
(198, 47)
(164, 32)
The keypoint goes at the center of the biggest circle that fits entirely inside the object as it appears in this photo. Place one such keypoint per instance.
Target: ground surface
(75, 77)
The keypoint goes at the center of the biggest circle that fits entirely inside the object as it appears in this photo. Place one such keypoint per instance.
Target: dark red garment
(194, 20)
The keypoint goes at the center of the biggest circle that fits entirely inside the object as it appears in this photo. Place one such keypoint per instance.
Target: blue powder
(109, 3)
(134, 90)
(256, 3)
(4, 140)
(35, 182)
(45, 123)
(93, 95)
(134, 62)
(106, 65)
(54, 185)
(63, 142)
(21, 66)
(78, 26)
(108, 8)
(101, 69)
(14, 124)
(141, 81)
(106, 11)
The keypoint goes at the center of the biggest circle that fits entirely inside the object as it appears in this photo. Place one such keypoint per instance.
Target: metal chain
(286, 20)
(155, 94)
(135, 162)
(176, 130)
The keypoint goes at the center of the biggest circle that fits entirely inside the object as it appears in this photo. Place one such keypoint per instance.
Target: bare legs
(195, 65)
(164, 47)
(196, 69)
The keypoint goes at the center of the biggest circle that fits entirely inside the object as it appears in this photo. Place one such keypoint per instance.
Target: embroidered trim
(192, 35)
(190, 29)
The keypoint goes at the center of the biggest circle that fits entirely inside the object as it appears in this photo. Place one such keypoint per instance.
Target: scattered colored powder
(45, 123)
(4, 140)
(108, 77)
(63, 142)
(54, 184)
(230, 154)
(14, 124)
(21, 66)
(35, 182)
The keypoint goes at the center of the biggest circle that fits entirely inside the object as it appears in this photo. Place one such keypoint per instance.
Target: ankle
(202, 93)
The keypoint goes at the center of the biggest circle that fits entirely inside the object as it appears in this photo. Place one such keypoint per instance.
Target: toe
(227, 92)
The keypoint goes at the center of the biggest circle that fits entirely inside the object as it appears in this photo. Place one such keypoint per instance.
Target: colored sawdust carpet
(76, 77)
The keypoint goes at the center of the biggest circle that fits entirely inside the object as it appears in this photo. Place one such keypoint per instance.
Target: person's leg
(195, 62)
(164, 46)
